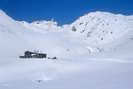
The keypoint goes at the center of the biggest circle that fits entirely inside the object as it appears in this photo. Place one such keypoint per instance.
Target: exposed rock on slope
(100, 28)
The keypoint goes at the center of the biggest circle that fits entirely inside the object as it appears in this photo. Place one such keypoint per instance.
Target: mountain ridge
(95, 32)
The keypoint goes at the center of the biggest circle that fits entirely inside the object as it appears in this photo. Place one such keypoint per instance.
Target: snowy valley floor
(58, 74)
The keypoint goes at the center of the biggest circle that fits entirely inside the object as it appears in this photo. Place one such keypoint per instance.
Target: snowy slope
(9, 34)
(103, 28)
(41, 26)
(97, 31)
(83, 62)
(30, 36)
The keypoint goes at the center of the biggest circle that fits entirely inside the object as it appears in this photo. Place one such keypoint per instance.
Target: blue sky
(63, 11)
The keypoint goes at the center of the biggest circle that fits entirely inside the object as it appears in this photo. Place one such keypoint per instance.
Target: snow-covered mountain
(94, 52)
(41, 26)
(96, 31)
(100, 28)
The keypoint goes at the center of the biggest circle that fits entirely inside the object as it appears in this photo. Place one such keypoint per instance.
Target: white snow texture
(94, 52)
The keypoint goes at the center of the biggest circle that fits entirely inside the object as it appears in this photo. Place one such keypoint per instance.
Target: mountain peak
(2, 12)
(102, 27)
(44, 22)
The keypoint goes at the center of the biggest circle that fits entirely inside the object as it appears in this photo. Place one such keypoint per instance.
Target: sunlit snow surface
(83, 62)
